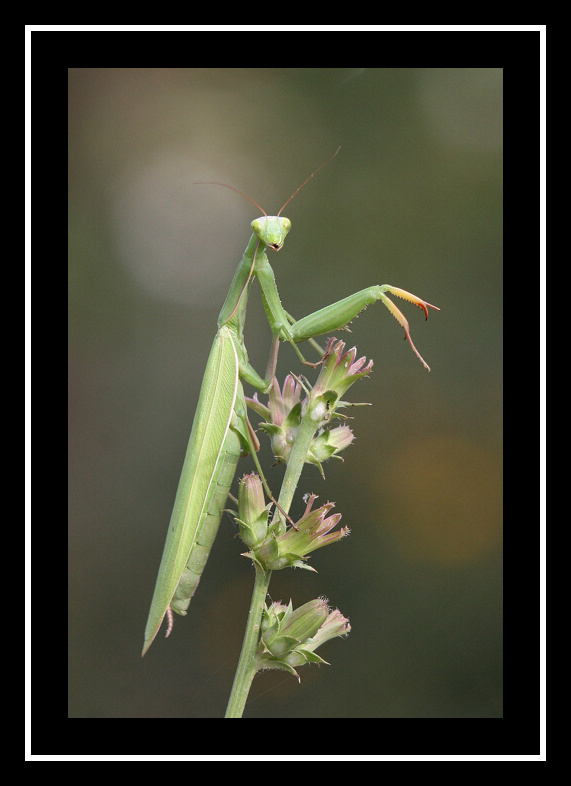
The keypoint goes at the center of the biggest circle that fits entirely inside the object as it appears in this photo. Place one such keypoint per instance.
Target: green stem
(307, 429)
(247, 665)
(246, 670)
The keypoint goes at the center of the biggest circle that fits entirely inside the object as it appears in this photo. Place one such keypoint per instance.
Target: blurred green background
(414, 199)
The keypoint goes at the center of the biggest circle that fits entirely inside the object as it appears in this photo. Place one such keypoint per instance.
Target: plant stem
(246, 670)
(307, 429)
(247, 665)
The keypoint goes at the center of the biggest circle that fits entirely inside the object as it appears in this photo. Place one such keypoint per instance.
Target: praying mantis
(221, 431)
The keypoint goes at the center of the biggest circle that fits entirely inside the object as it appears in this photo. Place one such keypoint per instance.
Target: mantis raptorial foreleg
(335, 316)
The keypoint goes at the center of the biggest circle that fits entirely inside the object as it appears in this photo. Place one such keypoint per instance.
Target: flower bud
(290, 548)
(340, 371)
(289, 638)
(252, 512)
(328, 444)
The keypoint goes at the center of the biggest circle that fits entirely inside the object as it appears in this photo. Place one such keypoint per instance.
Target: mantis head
(271, 230)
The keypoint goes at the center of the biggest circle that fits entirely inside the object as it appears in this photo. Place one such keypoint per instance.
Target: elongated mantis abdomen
(200, 551)
(207, 473)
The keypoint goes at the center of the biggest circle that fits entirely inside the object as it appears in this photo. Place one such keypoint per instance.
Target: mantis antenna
(237, 190)
(329, 160)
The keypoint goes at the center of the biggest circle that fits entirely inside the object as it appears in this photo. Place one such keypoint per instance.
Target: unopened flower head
(328, 443)
(283, 415)
(340, 369)
(252, 511)
(290, 637)
(291, 548)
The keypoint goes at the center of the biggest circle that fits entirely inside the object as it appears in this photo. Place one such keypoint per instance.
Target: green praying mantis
(221, 431)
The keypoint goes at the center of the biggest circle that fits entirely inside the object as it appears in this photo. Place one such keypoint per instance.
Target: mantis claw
(417, 301)
(400, 317)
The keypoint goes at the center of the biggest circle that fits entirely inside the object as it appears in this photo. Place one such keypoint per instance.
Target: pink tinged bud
(329, 444)
(340, 438)
(277, 413)
(335, 625)
(251, 502)
(252, 510)
(340, 370)
(315, 529)
(281, 403)
(291, 393)
(289, 638)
